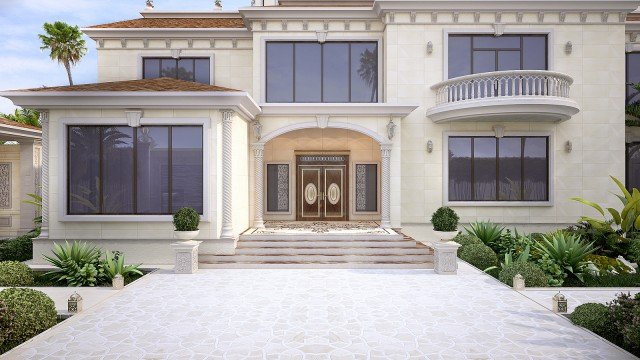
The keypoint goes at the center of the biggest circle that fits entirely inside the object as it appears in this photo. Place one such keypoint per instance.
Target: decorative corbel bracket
(133, 117)
(257, 129)
(391, 129)
(323, 121)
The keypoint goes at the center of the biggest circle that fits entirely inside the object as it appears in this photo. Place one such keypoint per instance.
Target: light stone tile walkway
(318, 314)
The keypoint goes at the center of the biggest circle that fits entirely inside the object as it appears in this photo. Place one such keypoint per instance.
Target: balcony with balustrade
(518, 95)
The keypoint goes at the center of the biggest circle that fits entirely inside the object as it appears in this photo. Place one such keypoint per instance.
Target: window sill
(121, 218)
(499, 203)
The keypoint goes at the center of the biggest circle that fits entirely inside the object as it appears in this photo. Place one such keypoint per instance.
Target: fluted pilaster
(258, 155)
(385, 150)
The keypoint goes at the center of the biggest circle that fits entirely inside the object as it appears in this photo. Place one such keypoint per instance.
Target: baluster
(499, 88)
(526, 86)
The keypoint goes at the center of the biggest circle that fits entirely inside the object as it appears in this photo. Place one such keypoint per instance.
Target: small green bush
(620, 280)
(5, 324)
(633, 253)
(533, 275)
(624, 312)
(78, 264)
(31, 312)
(17, 249)
(486, 231)
(186, 219)
(15, 273)
(478, 255)
(594, 317)
(466, 239)
(607, 265)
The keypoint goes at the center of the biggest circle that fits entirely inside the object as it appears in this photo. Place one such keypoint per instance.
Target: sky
(24, 65)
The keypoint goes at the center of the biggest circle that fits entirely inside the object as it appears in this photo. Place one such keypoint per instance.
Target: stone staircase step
(324, 244)
(342, 250)
(318, 265)
(314, 258)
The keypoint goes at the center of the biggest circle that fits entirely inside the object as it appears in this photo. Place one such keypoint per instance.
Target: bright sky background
(24, 65)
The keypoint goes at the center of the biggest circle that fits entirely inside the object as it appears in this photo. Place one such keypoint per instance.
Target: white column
(227, 174)
(27, 184)
(258, 155)
(385, 150)
(44, 121)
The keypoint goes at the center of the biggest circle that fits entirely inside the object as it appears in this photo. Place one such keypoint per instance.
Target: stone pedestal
(186, 256)
(445, 257)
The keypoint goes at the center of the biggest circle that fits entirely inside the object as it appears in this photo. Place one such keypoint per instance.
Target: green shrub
(466, 239)
(607, 265)
(445, 219)
(533, 275)
(15, 273)
(31, 312)
(6, 321)
(624, 312)
(633, 252)
(478, 255)
(594, 317)
(605, 238)
(78, 264)
(114, 265)
(17, 249)
(186, 219)
(488, 232)
(511, 243)
(563, 254)
(620, 280)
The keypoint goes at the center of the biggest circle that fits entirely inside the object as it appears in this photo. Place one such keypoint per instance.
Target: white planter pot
(186, 235)
(445, 235)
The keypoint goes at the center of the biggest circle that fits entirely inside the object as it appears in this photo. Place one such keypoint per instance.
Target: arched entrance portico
(382, 143)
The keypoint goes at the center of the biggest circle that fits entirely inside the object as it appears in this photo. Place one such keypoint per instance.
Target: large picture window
(189, 69)
(473, 54)
(333, 72)
(125, 171)
(511, 168)
(633, 77)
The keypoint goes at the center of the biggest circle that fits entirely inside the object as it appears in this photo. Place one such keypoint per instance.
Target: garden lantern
(118, 282)
(559, 303)
(518, 282)
(74, 304)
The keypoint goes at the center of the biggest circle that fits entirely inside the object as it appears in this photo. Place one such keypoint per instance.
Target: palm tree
(65, 44)
(368, 70)
(24, 116)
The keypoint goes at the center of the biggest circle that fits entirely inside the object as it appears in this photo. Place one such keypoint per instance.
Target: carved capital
(385, 151)
(258, 151)
(227, 115)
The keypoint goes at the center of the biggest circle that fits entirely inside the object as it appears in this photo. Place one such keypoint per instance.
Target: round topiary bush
(594, 317)
(533, 275)
(478, 255)
(15, 273)
(31, 312)
(445, 219)
(186, 219)
(467, 239)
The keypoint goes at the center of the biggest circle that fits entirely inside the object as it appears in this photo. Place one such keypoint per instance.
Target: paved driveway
(318, 314)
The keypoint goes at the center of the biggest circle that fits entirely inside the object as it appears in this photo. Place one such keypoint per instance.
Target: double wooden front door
(322, 187)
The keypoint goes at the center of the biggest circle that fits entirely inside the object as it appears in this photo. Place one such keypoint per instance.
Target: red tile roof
(174, 23)
(159, 84)
(633, 17)
(4, 121)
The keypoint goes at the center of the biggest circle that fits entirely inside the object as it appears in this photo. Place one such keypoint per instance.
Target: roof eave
(101, 33)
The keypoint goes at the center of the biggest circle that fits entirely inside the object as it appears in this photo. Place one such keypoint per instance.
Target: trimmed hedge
(17, 249)
(467, 239)
(15, 273)
(186, 219)
(32, 312)
(478, 255)
(533, 275)
(594, 317)
(620, 280)
(5, 324)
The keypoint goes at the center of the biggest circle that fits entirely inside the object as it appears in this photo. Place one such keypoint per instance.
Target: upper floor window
(189, 69)
(473, 54)
(333, 72)
(633, 77)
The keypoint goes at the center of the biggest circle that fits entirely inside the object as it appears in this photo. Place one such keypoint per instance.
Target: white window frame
(378, 186)
(185, 54)
(509, 31)
(445, 170)
(330, 38)
(62, 168)
(291, 187)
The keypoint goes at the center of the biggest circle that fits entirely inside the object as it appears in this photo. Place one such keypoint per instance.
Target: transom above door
(322, 181)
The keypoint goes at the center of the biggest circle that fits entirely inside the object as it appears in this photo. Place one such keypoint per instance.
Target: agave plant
(566, 252)
(78, 264)
(508, 259)
(114, 265)
(488, 232)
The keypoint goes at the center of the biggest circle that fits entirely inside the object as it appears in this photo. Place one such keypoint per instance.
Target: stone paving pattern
(318, 314)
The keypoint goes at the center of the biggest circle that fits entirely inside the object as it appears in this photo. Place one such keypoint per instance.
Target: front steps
(324, 252)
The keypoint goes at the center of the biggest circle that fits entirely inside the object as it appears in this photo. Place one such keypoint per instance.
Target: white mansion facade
(336, 111)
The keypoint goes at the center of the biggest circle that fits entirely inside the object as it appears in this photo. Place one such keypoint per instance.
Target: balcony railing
(503, 84)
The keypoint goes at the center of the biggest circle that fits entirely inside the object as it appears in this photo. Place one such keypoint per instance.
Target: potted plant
(445, 223)
(186, 222)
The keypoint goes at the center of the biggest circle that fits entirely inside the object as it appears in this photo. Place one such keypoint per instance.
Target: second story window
(333, 72)
(473, 54)
(189, 69)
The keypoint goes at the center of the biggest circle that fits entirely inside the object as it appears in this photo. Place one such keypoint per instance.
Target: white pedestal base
(445, 257)
(186, 256)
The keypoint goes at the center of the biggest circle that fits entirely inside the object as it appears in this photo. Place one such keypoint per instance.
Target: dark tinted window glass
(510, 173)
(496, 42)
(534, 52)
(153, 170)
(117, 170)
(364, 72)
(279, 72)
(168, 68)
(459, 169)
(366, 187)
(484, 168)
(185, 70)
(202, 71)
(459, 56)
(633, 166)
(278, 187)
(84, 169)
(535, 169)
(335, 73)
(308, 79)
(484, 61)
(508, 60)
(186, 160)
(151, 68)
(633, 77)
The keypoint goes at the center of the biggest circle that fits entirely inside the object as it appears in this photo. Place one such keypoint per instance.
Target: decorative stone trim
(474, 17)
(385, 150)
(5, 185)
(258, 155)
(133, 117)
(445, 257)
(44, 121)
(227, 174)
(186, 256)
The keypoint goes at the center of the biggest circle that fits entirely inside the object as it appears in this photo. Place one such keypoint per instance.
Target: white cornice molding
(381, 6)
(239, 100)
(338, 109)
(162, 33)
(307, 13)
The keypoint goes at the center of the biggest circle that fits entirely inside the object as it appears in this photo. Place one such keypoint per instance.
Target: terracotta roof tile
(176, 23)
(4, 121)
(159, 84)
(633, 17)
